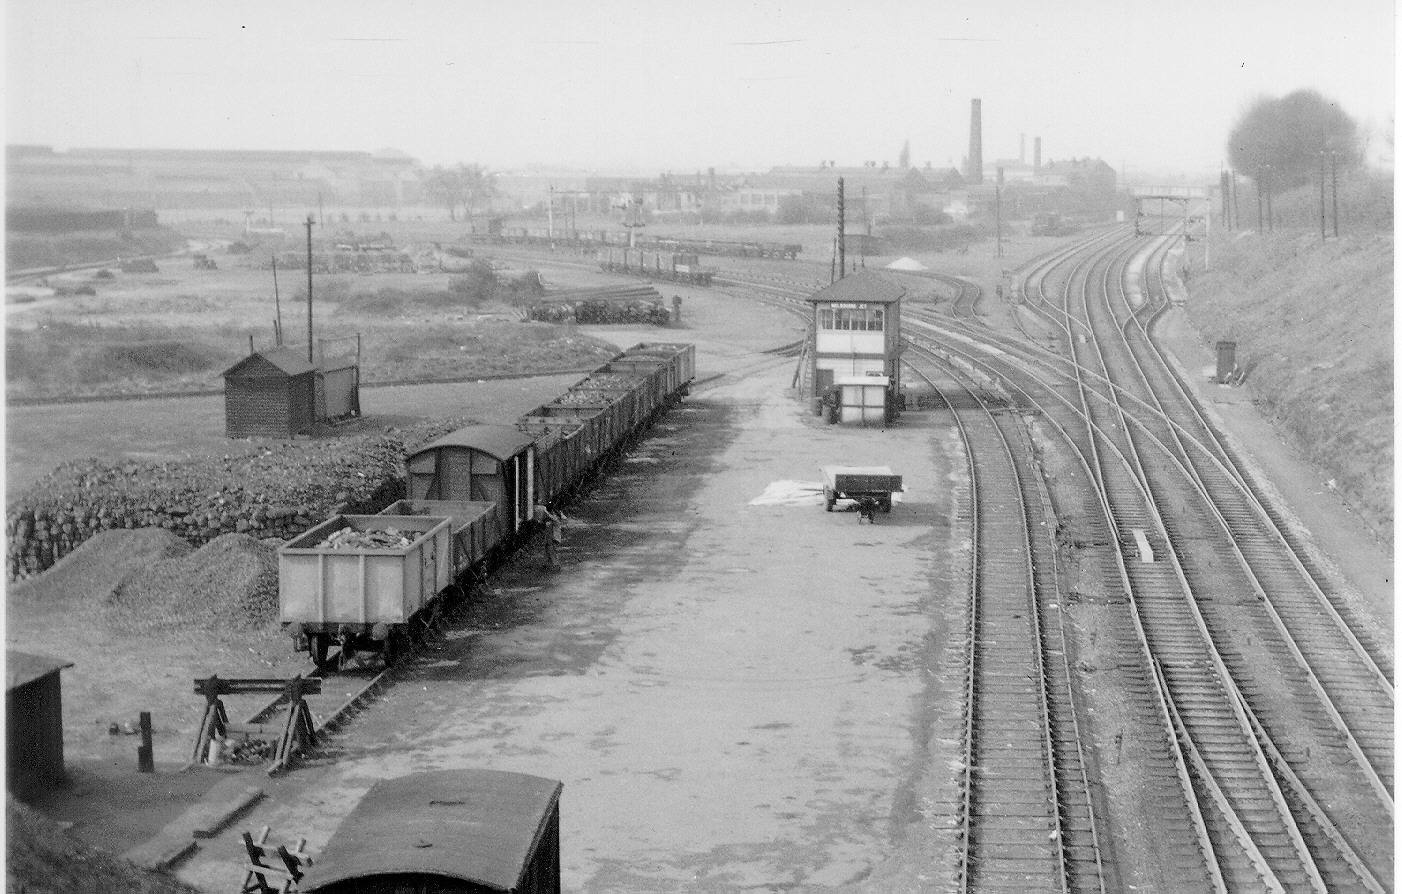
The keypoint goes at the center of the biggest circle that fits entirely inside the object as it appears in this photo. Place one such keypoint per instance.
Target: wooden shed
(279, 393)
(33, 723)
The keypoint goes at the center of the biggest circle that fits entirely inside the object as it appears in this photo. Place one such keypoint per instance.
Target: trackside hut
(33, 723)
(857, 330)
(279, 393)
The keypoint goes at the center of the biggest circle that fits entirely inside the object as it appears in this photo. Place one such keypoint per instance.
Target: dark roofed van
(446, 832)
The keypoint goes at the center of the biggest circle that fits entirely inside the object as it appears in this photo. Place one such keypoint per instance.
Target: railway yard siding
(734, 694)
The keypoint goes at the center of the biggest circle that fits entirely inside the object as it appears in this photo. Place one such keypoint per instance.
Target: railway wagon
(357, 581)
(475, 489)
(675, 266)
(446, 832)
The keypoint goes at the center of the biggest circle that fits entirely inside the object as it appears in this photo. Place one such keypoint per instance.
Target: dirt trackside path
(735, 695)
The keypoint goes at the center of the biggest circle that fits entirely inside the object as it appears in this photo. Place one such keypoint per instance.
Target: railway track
(1324, 837)
(1028, 820)
(1273, 714)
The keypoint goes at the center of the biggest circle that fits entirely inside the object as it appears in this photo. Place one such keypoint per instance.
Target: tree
(460, 186)
(1288, 135)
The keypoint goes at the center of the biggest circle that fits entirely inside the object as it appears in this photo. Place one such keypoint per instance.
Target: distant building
(206, 178)
(1090, 175)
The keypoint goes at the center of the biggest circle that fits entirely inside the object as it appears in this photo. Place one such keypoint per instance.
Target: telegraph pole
(550, 214)
(1261, 198)
(866, 219)
(277, 305)
(310, 358)
(1334, 175)
(1270, 207)
(1322, 236)
(841, 229)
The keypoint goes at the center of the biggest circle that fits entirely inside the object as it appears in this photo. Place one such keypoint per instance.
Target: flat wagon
(860, 483)
(446, 832)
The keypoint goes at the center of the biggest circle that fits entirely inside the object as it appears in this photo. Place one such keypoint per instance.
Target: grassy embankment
(26, 250)
(1313, 321)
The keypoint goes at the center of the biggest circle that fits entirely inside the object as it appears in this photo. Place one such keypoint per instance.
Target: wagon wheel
(395, 645)
(319, 644)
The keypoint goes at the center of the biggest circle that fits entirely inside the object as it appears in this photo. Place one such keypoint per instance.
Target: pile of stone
(267, 492)
(607, 305)
(350, 538)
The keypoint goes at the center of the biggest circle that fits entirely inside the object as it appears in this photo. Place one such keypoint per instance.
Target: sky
(612, 85)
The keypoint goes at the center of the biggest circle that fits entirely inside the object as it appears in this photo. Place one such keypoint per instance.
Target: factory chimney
(974, 174)
(1022, 149)
(1036, 153)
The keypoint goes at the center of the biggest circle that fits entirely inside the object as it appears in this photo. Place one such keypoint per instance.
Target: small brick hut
(33, 723)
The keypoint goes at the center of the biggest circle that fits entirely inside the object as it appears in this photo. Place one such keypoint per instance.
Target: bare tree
(458, 187)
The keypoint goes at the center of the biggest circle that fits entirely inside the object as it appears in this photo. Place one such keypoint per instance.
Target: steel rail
(1011, 836)
(1199, 844)
(1216, 728)
(1277, 593)
(1269, 519)
(1297, 789)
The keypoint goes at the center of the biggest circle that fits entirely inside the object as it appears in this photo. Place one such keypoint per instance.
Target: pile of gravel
(99, 566)
(43, 858)
(228, 584)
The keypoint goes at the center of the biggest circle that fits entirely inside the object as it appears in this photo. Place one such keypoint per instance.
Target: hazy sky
(673, 86)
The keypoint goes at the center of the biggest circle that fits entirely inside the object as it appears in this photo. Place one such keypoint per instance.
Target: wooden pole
(1322, 235)
(277, 303)
(841, 231)
(310, 357)
(145, 756)
(1334, 175)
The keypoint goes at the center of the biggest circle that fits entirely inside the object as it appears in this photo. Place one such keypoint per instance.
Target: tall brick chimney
(1036, 153)
(974, 174)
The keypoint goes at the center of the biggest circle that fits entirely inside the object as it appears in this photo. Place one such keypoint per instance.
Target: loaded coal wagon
(446, 832)
(362, 583)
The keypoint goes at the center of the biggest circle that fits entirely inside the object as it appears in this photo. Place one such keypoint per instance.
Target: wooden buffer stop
(297, 734)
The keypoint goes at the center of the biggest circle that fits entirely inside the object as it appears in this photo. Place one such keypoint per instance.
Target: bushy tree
(1288, 135)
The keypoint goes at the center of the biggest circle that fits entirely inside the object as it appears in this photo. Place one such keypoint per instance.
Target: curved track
(1253, 849)
(1272, 710)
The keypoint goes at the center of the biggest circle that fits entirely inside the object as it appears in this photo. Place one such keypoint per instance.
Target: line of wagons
(471, 495)
(673, 265)
(586, 238)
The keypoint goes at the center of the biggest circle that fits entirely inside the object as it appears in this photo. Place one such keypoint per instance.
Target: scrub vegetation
(1313, 320)
(148, 338)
